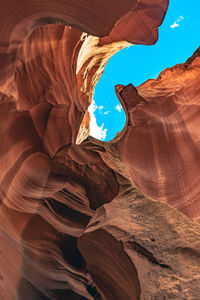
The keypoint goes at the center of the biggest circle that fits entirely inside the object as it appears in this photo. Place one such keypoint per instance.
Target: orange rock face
(164, 124)
(80, 218)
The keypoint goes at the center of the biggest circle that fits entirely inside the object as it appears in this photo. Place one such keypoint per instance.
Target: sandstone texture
(81, 218)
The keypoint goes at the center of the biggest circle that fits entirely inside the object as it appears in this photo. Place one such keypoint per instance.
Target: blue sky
(178, 39)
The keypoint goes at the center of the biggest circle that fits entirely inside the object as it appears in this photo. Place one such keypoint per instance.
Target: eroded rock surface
(80, 218)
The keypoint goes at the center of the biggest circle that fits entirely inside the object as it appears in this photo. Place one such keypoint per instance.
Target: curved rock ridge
(161, 145)
(80, 218)
(133, 21)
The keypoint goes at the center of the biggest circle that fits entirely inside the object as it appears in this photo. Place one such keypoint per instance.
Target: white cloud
(176, 23)
(96, 131)
(180, 18)
(106, 112)
(118, 107)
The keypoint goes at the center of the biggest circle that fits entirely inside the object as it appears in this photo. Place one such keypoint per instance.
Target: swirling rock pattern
(79, 218)
(163, 121)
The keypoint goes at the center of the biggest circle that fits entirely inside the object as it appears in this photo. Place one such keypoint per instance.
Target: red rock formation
(75, 221)
(133, 20)
(146, 244)
(163, 121)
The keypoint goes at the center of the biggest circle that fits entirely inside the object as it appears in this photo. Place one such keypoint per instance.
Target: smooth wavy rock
(161, 145)
(77, 219)
(131, 20)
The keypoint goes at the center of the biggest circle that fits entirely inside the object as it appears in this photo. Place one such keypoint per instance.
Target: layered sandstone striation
(81, 218)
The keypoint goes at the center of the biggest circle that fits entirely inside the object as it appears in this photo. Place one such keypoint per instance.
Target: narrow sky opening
(178, 39)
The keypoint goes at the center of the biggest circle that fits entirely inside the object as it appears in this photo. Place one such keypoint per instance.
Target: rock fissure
(79, 218)
(144, 252)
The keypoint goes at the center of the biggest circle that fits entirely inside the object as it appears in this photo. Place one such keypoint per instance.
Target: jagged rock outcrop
(151, 239)
(80, 218)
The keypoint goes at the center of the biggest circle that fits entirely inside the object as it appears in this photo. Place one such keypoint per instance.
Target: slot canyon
(81, 218)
